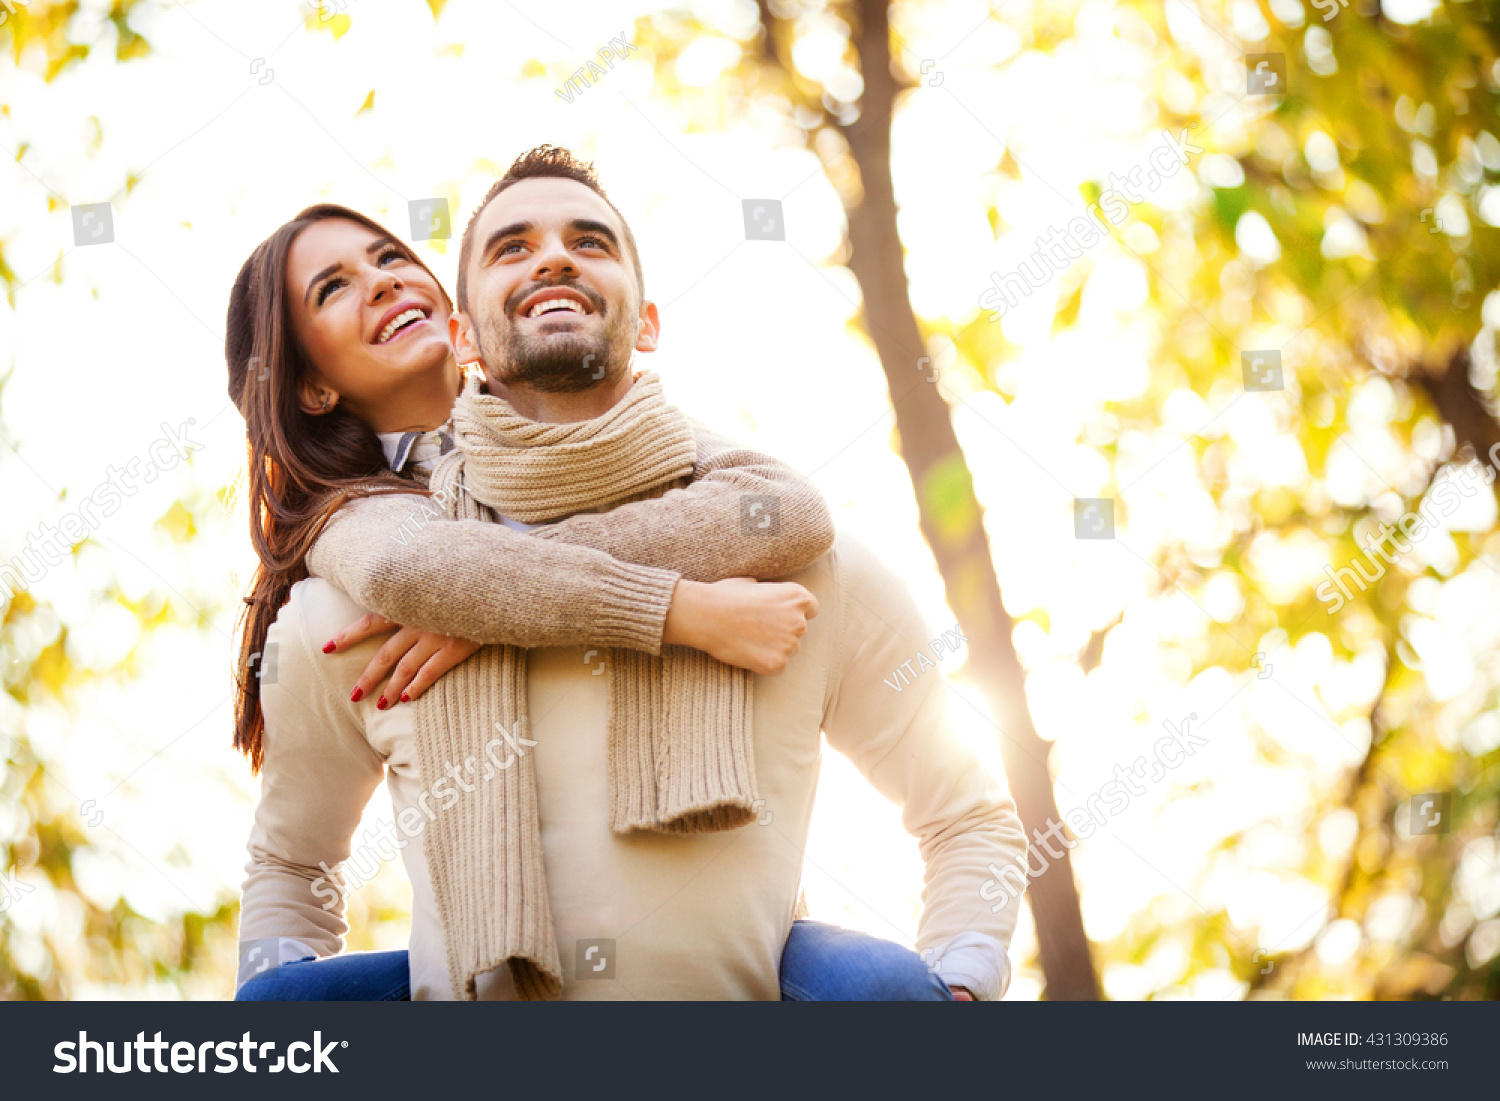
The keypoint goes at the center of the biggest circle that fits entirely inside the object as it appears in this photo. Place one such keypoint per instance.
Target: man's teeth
(396, 323)
(555, 303)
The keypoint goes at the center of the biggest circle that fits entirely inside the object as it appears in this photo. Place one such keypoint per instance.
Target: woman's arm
(745, 514)
(603, 578)
(318, 773)
(400, 557)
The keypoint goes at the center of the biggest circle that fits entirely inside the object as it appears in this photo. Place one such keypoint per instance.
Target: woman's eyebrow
(374, 247)
(322, 275)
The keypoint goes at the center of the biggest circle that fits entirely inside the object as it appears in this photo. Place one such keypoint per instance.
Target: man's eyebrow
(375, 246)
(588, 225)
(513, 230)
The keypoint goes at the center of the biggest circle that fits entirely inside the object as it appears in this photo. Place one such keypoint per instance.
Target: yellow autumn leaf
(325, 17)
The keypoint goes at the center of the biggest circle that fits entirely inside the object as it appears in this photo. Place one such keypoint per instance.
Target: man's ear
(650, 330)
(315, 397)
(461, 336)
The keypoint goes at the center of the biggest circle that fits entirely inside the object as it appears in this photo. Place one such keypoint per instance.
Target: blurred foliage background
(1345, 219)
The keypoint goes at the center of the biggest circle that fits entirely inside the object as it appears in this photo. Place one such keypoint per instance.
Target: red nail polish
(359, 694)
(405, 698)
(329, 647)
(381, 705)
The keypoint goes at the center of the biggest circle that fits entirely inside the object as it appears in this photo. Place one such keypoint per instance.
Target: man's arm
(894, 724)
(318, 774)
(745, 514)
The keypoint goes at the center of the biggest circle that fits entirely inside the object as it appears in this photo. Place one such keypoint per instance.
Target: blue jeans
(820, 963)
(352, 977)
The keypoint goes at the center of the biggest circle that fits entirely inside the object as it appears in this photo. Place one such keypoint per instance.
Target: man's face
(553, 301)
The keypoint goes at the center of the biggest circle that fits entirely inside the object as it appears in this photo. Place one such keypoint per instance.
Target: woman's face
(371, 319)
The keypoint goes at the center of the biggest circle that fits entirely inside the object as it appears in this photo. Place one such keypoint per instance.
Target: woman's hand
(753, 624)
(413, 659)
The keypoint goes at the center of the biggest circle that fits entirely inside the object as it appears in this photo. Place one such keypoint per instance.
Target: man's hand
(962, 994)
(413, 659)
(757, 625)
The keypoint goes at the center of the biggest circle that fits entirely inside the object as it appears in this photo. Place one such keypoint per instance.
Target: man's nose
(553, 261)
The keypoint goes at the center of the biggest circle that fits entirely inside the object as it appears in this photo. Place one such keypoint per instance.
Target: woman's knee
(825, 963)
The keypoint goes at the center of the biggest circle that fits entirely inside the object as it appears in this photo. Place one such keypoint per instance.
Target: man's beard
(556, 363)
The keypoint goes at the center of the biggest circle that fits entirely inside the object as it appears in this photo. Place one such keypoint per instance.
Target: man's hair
(545, 161)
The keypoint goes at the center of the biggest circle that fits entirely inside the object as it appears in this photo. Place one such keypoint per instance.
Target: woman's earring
(325, 403)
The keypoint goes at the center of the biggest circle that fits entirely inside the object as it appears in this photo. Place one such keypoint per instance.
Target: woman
(340, 364)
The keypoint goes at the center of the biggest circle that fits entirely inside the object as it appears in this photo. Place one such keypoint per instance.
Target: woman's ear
(315, 398)
(650, 331)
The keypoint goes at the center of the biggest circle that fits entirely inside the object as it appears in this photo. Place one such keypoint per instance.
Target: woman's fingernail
(381, 705)
(330, 647)
(359, 694)
(405, 698)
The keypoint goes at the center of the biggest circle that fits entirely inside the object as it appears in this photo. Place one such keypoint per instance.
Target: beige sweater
(689, 917)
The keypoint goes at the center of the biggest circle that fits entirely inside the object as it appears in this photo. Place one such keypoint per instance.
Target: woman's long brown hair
(302, 468)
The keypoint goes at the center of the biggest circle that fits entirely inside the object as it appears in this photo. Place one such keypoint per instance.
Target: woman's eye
(392, 254)
(591, 241)
(327, 288)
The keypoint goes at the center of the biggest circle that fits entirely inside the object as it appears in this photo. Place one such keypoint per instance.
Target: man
(551, 304)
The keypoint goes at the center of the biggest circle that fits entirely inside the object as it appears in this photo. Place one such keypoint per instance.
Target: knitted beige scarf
(680, 756)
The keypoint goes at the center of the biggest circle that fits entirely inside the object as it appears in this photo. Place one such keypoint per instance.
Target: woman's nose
(384, 283)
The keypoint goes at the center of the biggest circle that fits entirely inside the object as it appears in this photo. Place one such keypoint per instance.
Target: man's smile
(554, 301)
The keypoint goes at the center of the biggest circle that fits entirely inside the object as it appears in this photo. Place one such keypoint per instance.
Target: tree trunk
(1461, 406)
(940, 477)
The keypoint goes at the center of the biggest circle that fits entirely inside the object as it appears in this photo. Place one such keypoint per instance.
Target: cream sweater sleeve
(960, 813)
(317, 776)
(745, 514)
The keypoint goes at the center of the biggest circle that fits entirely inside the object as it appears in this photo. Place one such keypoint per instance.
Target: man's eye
(598, 241)
(505, 248)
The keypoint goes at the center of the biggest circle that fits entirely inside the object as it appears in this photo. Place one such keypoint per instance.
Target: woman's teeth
(396, 322)
(554, 303)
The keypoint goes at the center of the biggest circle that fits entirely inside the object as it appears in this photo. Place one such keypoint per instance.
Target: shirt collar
(418, 448)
